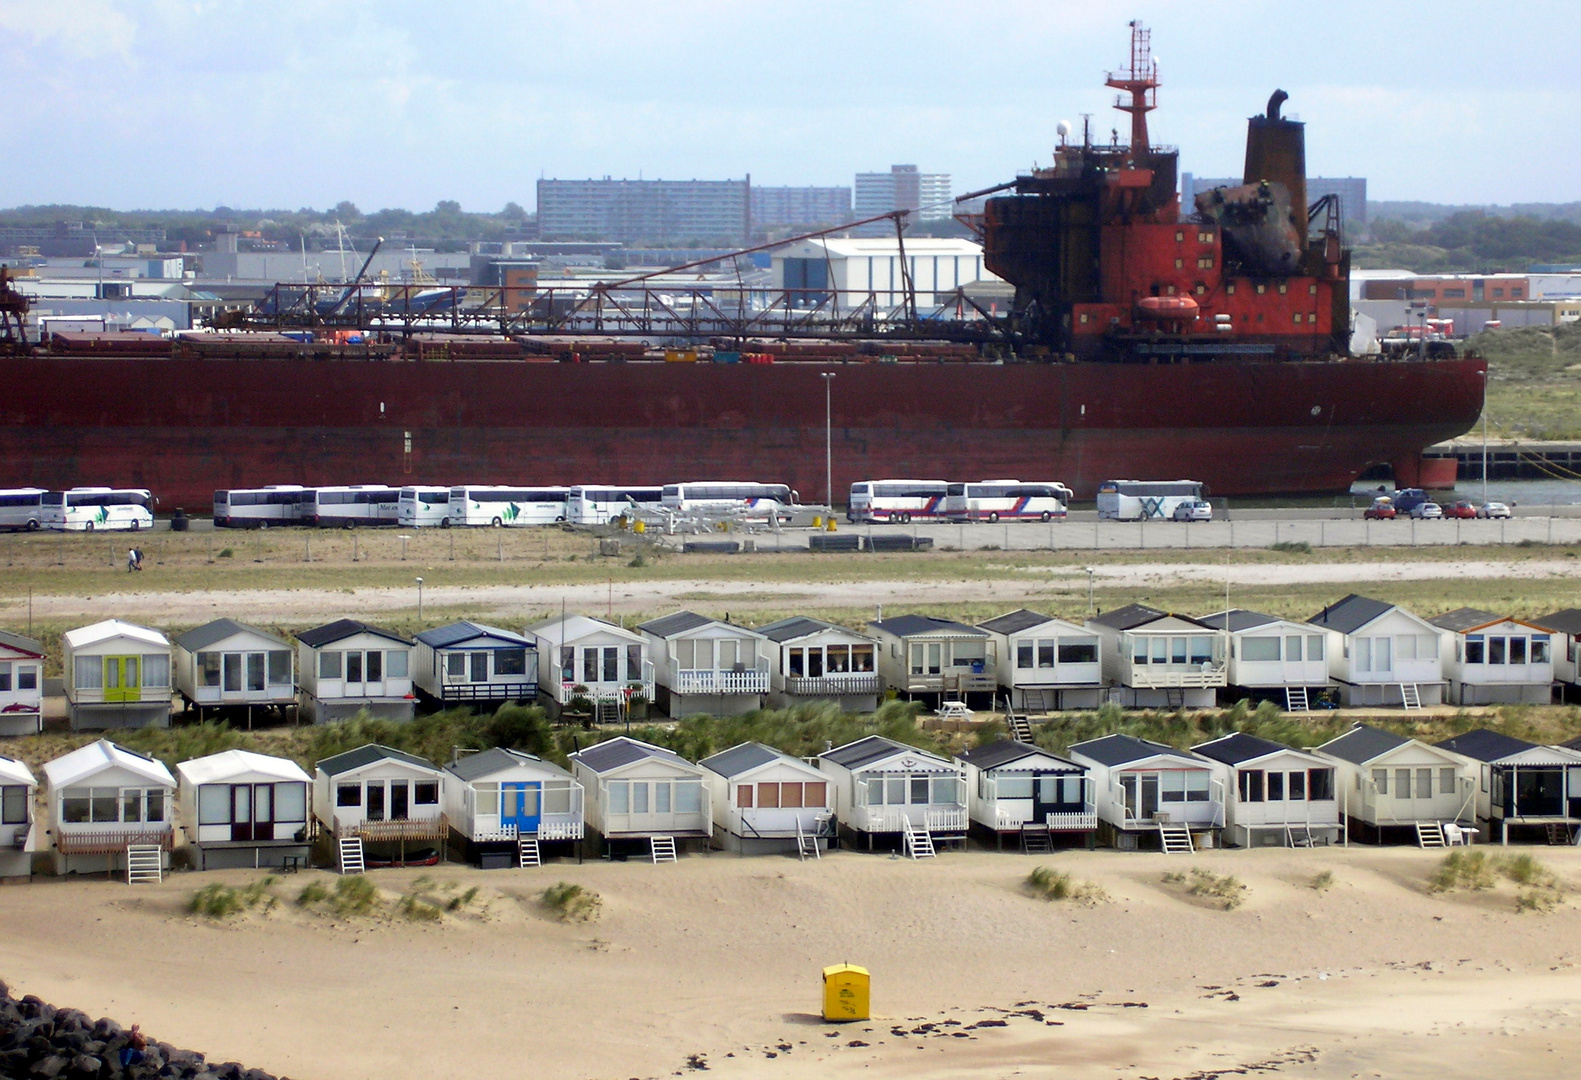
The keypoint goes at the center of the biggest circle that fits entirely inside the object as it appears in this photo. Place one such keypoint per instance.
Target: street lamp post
(419, 599)
(828, 439)
(1090, 571)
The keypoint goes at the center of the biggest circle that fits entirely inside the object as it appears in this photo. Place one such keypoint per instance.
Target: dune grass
(1223, 890)
(1538, 889)
(569, 902)
(217, 901)
(1049, 884)
(353, 895)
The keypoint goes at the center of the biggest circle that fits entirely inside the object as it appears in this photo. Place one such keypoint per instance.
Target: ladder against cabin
(807, 842)
(609, 710)
(1175, 696)
(1019, 726)
(351, 861)
(527, 852)
(1036, 838)
(918, 842)
(1296, 699)
(1430, 834)
(1175, 839)
(1410, 695)
(662, 848)
(144, 864)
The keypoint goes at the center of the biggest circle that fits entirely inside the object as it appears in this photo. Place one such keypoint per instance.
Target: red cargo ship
(1141, 346)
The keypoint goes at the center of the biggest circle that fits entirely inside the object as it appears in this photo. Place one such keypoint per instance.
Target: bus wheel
(993, 517)
(444, 523)
(32, 526)
(1046, 516)
(905, 519)
(87, 526)
(496, 523)
(136, 525)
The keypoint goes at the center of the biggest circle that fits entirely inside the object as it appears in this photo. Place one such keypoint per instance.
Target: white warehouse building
(860, 267)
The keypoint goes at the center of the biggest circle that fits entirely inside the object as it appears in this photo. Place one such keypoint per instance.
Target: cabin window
(639, 798)
(1540, 650)
(13, 804)
(946, 789)
(1139, 650)
(426, 793)
(75, 805)
(1298, 786)
(744, 795)
(348, 794)
(815, 793)
(1495, 650)
(1179, 785)
(478, 664)
(567, 663)
(1276, 787)
(375, 802)
(837, 659)
(400, 799)
(634, 663)
(89, 672)
(1070, 788)
(685, 653)
(611, 670)
(1476, 650)
(1259, 648)
(279, 668)
(373, 663)
(1024, 651)
(728, 651)
(1046, 651)
(1078, 652)
(103, 805)
(661, 798)
(620, 797)
(214, 804)
(329, 665)
(1293, 647)
(1160, 651)
(1402, 783)
(1251, 785)
(1315, 647)
(1446, 780)
(255, 671)
(590, 665)
(795, 662)
(688, 796)
(233, 672)
(1320, 785)
(1517, 650)
(354, 667)
(1014, 787)
(486, 799)
(919, 790)
(456, 666)
(26, 676)
(510, 662)
(768, 796)
(156, 669)
(132, 805)
(1177, 650)
(1380, 780)
(1424, 785)
(395, 663)
(208, 668)
(557, 798)
(791, 796)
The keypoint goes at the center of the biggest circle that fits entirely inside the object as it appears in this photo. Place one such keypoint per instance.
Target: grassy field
(1534, 381)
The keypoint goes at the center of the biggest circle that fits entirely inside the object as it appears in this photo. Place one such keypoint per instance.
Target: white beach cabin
(18, 835)
(465, 663)
(906, 795)
(1534, 789)
(225, 663)
(606, 665)
(938, 658)
(348, 667)
(1148, 789)
(1275, 795)
(1566, 650)
(813, 660)
(766, 801)
(707, 666)
(117, 675)
(505, 805)
(21, 685)
(390, 800)
(1029, 794)
(104, 798)
(1493, 660)
(1273, 659)
(641, 795)
(242, 809)
(1380, 654)
(1394, 787)
(1155, 660)
(1049, 663)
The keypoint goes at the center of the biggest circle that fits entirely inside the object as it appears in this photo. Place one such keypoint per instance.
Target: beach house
(225, 663)
(766, 801)
(467, 663)
(1048, 663)
(116, 675)
(1274, 795)
(21, 685)
(18, 837)
(1031, 795)
(1566, 650)
(1272, 659)
(504, 806)
(241, 809)
(707, 666)
(388, 799)
(103, 799)
(1380, 654)
(1155, 660)
(937, 659)
(593, 663)
(1489, 659)
(1145, 790)
(641, 796)
(1393, 787)
(896, 794)
(1534, 789)
(348, 667)
(812, 660)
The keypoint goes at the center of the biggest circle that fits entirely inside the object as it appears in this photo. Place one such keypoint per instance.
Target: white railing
(1209, 812)
(783, 821)
(945, 819)
(1086, 819)
(854, 682)
(894, 818)
(562, 828)
(954, 679)
(487, 830)
(608, 691)
(1149, 678)
(753, 680)
(1384, 809)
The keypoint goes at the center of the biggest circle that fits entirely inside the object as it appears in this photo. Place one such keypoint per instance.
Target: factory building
(863, 270)
(693, 212)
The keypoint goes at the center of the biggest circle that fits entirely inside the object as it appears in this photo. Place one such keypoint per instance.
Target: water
(1514, 492)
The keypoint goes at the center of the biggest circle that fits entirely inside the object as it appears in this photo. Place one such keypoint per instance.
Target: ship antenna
(1141, 82)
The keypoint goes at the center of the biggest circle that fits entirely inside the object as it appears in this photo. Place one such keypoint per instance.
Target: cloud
(80, 29)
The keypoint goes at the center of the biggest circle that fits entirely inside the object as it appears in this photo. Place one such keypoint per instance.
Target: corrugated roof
(1123, 749)
(497, 760)
(854, 755)
(230, 765)
(218, 630)
(21, 644)
(443, 637)
(1015, 622)
(1238, 619)
(1350, 614)
(911, 625)
(1239, 747)
(1362, 744)
(113, 628)
(1005, 751)
(340, 630)
(622, 750)
(1566, 621)
(1129, 617)
(748, 756)
(1466, 618)
(676, 623)
(797, 626)
(1485, 745)
(94, 758)
(367, 755)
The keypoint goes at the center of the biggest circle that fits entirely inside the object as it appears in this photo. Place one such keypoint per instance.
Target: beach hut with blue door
(503, 805)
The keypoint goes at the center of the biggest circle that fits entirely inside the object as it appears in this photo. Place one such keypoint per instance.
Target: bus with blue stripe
(1143, 500)
(1006, 500)
(898, 502)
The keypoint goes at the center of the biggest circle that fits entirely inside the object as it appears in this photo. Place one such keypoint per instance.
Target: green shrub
(571, 903)
(1293, 547)
(1224, 889)
(1052, 885)
(219, 901)
(225, 553)
(1471, 870)
(417, 909)
(313, 893)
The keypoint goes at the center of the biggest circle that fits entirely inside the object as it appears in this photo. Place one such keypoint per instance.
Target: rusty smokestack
(1276, 151)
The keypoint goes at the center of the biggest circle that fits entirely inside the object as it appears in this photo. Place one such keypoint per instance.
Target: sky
(303, 103)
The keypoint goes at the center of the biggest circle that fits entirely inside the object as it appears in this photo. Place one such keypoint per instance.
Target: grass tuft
(1225, 890)
(1292, 547)
(225, 553)
(219, 901)
(1469, 870)
(571, 903)
(1322, 881)
(1050, 884)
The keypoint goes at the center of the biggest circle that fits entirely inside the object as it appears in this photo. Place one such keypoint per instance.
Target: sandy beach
(715, 962)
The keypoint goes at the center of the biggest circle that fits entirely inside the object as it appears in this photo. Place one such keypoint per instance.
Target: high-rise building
(903, 187)
(810, 206)
(681, 212)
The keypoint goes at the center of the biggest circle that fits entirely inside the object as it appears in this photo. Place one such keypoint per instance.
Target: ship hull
(183, 428)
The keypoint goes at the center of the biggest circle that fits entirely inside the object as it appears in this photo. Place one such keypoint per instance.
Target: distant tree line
(1472, 240)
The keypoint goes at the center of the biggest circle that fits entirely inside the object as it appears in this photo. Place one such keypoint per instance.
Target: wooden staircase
(1018, 724)
(1036, 839)
(662, 848)
(144, 864)
(527, 853)
(1558, 833)
(919, 842)
(1175, 696)
(1176, 839)
(351, 861)
(1296, 699)
(807, 843)
(1411, 696)
(1430, 834)
(607, 711)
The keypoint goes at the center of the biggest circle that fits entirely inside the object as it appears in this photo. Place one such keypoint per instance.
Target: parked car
(1461, 509)
(1408, 499)
(1493, 510)
(1382, 509)
(1194, 510)
(1427, 510)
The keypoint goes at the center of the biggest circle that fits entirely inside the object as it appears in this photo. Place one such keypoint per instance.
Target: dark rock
(50, 1067)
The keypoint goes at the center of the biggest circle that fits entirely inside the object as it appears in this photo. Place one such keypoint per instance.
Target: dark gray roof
(1361, 744)
(498, 759)
(613, 753)
(678, 623)
(1005, 751)
(1573, 744)
(1133, 615)
(1239, 747)
(443, 637)
(340, 630)
(1566, 621)
(910, 625)
(865, 751)
(797, 626)
(1238, 619)
(1485, 745)
(1123, 749)
(218, 630)
(1349, 614)
(1015, 622)
(23, 644)
(1465, 618)
(367, 755)
(739, 759)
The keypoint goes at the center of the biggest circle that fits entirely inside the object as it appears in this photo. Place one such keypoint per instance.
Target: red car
(1460, 509)
(1382, 509)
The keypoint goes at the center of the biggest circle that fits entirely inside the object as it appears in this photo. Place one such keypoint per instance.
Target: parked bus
(1012, 500)
(91, 508)
(421, 507)
(351, 505)
(1136, 500)
(21, 508)
(498, 505)
(258, 508)
(897, 501)
(760, 501)
(599, 504)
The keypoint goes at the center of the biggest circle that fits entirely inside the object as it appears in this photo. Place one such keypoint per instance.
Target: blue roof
(445, 637)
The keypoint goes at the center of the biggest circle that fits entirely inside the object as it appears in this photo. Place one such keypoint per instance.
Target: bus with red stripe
(1006, 500)
(896, 501)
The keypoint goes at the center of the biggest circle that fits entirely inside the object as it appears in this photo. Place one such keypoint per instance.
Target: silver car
(1493, 510)
(1427, 510)
(1194, 510)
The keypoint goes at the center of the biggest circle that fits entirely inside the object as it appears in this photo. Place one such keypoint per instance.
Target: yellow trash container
(846, 992)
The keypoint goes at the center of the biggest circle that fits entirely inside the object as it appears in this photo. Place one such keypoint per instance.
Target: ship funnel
(1276, 152)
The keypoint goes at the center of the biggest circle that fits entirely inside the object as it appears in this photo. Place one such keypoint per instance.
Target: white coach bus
(91, 508)
(751, 500)
(421, 507)
(258, 508)
(351, 505)
(506, 505)
(897, 501)
(22, 508)
(1009, 500)
(599, 504)
(1137, 500)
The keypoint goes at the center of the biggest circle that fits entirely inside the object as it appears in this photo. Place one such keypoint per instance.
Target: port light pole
(419, 599)
(828, 439)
